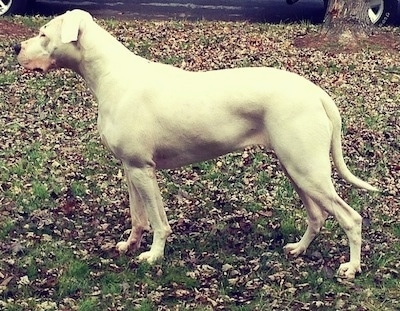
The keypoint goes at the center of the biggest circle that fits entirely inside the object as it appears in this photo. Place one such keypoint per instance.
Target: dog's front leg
(139, 219)
(143, 181)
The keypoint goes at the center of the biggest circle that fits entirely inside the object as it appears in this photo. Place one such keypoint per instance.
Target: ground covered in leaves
(64, 201)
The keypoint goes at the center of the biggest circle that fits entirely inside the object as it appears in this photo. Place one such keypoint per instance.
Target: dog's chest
(105, 142)
(126, 142)
(105, 131)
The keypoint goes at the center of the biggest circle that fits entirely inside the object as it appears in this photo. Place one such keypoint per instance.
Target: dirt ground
(9, 29)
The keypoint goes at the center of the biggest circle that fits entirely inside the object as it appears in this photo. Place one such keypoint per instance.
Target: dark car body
(381, 12)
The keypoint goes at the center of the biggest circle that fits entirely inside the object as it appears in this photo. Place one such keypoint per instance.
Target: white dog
(153, 116)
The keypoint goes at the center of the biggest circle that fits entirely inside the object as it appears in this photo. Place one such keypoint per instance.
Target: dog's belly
(186, 148)
(169, 159)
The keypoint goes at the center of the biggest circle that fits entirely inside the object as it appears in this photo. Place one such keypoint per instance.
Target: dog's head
(56, 45)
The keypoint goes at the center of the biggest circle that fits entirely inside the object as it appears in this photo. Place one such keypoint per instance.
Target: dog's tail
(336, 146)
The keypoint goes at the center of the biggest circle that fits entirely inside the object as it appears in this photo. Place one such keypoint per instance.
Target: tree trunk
(348, 28)
(347, 21)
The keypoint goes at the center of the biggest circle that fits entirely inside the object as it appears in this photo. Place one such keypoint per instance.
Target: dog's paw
(294, 249)
(122, 247)
(348, 270)
(150, 257)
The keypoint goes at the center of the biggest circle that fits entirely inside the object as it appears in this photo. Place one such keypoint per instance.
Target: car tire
(383, 12)
(11, 7)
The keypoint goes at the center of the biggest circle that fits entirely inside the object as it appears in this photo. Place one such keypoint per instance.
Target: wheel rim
(5, 6)
(376, 10)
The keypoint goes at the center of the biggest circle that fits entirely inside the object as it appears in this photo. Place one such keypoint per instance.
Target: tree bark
(347, 21)
(348, 28)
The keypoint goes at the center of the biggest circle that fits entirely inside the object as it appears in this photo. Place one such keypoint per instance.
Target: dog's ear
(72, 23)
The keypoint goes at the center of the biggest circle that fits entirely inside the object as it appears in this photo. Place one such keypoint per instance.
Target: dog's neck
(92, 66)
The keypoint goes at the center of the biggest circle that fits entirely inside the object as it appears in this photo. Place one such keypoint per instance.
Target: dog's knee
(163, 233)
(315, 224)
(350, 221)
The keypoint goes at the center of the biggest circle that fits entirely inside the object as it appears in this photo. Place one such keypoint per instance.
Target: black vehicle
(382, 12)
(9, 7)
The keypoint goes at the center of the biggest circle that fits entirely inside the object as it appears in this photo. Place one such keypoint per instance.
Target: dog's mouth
(40, 70)
(34, 69)
(41, 65)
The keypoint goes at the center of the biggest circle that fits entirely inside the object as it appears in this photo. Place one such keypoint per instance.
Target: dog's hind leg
(316, 186)
(303, 147)
(351, 223)
(145, 183)
(315, 220)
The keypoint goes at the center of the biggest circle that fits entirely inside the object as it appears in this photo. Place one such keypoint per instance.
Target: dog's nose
(17, 48)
